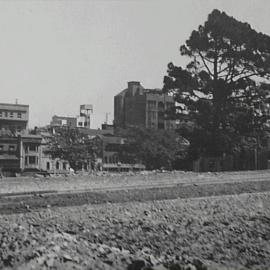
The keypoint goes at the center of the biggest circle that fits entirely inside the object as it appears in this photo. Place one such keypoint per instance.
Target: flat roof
(13, 104)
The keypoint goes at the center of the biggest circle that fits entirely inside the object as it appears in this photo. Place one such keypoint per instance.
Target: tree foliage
(156, 149)
(75, 147)
(224, 87)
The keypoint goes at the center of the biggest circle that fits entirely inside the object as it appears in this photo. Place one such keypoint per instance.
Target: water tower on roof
(85, 114)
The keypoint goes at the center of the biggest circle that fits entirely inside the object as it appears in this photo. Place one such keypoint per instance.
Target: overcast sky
(56, 55)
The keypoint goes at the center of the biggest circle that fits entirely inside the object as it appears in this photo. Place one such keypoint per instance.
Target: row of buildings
(23, 151)
(133, 106)
(20, 149)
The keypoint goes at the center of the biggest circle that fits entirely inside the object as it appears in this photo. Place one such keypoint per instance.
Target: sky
(56, 55)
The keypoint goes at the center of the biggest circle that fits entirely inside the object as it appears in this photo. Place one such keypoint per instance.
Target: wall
(134, 110)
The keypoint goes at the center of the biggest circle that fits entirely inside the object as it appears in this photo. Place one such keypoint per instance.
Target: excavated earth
(133, 230)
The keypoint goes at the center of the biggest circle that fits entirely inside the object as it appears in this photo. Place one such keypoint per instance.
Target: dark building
(137, 106)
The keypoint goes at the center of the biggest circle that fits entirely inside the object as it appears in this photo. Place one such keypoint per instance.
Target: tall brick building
(137, 106)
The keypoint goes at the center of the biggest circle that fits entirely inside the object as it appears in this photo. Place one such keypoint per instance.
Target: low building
(109, 158)
(83, 120)
(63, 121)
(111, 148)
(48, 163)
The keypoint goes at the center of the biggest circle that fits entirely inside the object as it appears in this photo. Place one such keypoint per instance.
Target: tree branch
(209, 72)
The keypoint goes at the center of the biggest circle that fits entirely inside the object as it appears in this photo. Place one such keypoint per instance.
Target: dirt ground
(24, 203)
(103, 179)
(225, 232)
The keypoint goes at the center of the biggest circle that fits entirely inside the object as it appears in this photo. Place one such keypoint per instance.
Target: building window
(32, 147)
(80, 124)
(64, 166)
(151, 105)
(6, 114)
(0, 113)
(48, 166)
(85, 124)
(26, 161)
(11, 148)
(1, 147)
(161, 106)
(19, 115)
(11, 114)
(32, 160)
(57, 165)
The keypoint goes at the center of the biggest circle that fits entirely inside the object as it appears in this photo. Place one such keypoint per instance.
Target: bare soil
(185, 226)
(103, 179)
(218, 232)
(22, 204)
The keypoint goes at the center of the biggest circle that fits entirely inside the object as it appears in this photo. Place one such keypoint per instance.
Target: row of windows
(80, 124)
(10, 114)
(151, 104)
(10, 148)
(31, 147)
(161, 125)
(57, 165)
(111, 159)
(13, 128)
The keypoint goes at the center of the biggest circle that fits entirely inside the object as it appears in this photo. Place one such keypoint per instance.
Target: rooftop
(14, 104)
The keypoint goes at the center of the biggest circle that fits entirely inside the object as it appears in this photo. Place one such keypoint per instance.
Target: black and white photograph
(135, 134)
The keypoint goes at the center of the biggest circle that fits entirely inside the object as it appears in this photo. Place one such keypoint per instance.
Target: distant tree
(224, 87)
(156, 149)
(74, 146)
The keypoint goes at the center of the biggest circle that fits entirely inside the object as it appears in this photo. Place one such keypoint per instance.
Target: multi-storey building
(137, 106)
(19, 150)
(14, 117)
